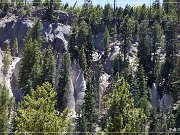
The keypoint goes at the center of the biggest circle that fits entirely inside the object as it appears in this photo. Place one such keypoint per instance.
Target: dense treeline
(44, 79)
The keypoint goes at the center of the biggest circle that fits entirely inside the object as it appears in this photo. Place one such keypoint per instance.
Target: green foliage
(126, 36)
(171, 50)
(82, 34)
(37, 2)
(118, 65)
(63, 79)
(157, 44)
(122, 116)
(35, 73)
(91, 106)
(81, 122)
(175, 81)
(82, 59)
(106, 42)
(72, 44)
(143, 47)
(89, 47)
(23, 12)
(35, 30)
(37, 112)
(7, 61)
(29, 71)
(107, 14)
(48, 66)
(15, 47)
(4, 109)
(141, 92)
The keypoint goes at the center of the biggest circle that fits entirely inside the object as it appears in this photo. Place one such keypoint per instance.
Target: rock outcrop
(56, 33)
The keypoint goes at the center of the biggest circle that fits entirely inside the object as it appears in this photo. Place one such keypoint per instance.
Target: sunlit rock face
(103, 84)
(55, 34)
(154, 95)
(113, 53)
(80, 88)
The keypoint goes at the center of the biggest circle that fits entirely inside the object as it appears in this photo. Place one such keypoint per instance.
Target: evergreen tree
(91, 106)
(7, 61)
(81, 122)
(122, 116)
(171, 50)
(82, 35)
(15, 47)
(4, 110)
(143, 47)
(126, 36)
(36, 70)
(72, 44)
(30, 55)
(153, 127)
(48, 66)
(89, 47)
(83, 60)
(63, 80)
(37, 112)
(26, 63)
(107, 15)
(35, 30)
(157, 44)
(142, 92)
(175, 81)
(106, 42)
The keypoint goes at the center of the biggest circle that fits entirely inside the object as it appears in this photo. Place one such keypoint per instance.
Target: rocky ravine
(57, 34)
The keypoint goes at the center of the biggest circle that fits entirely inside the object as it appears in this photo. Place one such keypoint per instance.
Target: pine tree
(171, 50)
(106, 42)
(36, 71)
(81, 122)
(30, 56)
(91, 106)
(48, 66)
(72, 44)
(135, 92)
(7, 61)
(37, 112)
(15, 47)
(145, 97)
(157, 44)
(175, 81)
(4, 109)
(107, 15)
(143, 47)
(82, 35)
(63, 80)
(126, 36)
(26, 63)
(122, 116)
(35, 30)
(89, 47)
(82, 59)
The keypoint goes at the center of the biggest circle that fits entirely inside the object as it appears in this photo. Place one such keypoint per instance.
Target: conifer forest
(98, 69)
